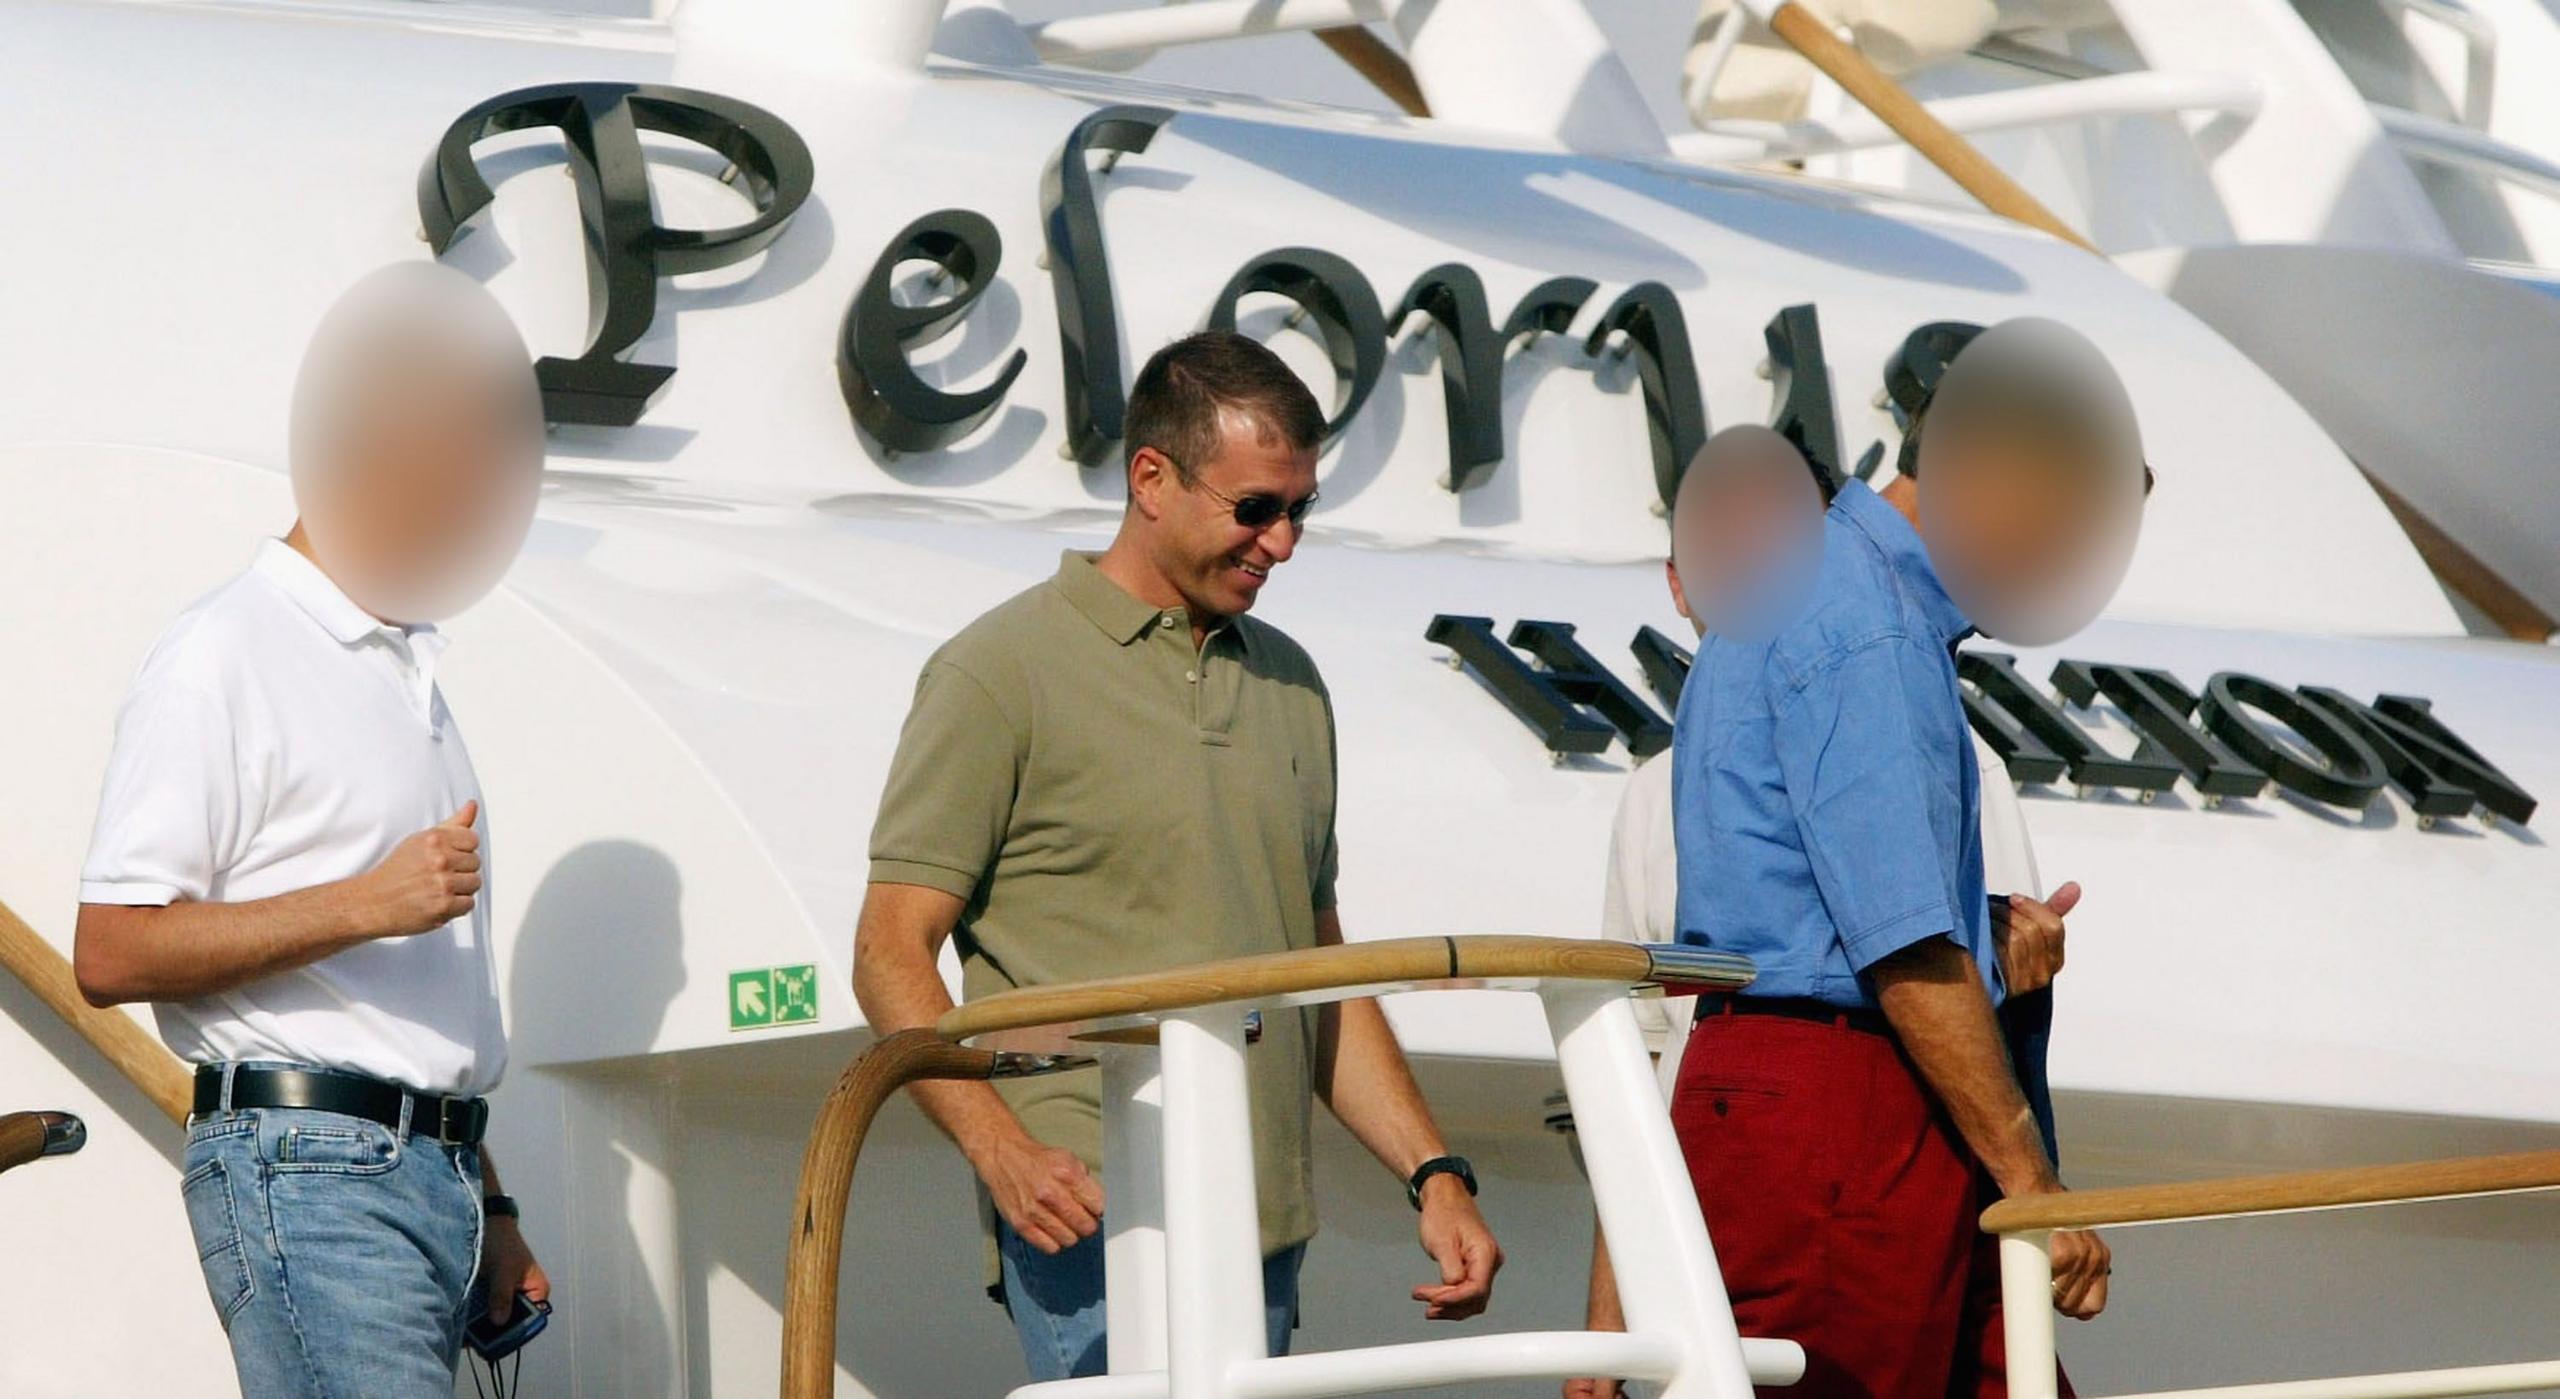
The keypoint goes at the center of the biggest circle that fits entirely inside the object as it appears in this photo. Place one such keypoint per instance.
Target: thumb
(2061, 900)
(468, 815)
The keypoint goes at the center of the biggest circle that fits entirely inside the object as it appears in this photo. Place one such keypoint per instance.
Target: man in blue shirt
(1846, 1120)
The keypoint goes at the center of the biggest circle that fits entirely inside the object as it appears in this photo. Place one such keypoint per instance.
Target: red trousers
(1843, 1209)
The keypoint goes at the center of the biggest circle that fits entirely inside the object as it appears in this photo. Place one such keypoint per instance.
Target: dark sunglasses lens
(1255, 511)
(1258, 511)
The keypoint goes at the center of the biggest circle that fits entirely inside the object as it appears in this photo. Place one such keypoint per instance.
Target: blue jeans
(338, 1253)
(1056, 1302)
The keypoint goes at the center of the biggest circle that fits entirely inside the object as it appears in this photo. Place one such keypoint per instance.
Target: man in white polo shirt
(289, 861)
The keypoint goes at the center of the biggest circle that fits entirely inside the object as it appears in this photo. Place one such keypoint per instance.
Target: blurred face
(417, 443)
(1217, 563)
(2030, 476)
(1746, 531)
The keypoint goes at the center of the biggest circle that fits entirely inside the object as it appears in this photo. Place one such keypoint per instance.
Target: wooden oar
(1899, 110)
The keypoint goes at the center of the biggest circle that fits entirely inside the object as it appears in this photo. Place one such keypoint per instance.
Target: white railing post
(1212, 1232)
(2026, 1308)
(1133, 1207)
(1668, 1282)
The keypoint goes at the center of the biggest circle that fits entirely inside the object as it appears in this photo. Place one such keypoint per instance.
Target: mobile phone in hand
(491, 1341)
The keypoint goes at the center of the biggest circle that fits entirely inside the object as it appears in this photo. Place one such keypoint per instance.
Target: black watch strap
(500, 1207)
(1439, 1166)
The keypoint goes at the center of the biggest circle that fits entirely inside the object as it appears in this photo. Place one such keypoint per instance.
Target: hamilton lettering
(2233, 740)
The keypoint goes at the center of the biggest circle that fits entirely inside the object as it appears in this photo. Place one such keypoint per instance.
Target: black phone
(491, 1341)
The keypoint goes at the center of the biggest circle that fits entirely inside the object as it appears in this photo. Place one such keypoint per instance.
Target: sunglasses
(1258, 511)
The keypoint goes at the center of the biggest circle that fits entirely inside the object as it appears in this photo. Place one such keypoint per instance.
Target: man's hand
(429, 879)
(1454, 1234)
(1044, 1192)
(2081, 1263)
(2030, 937)
(1601, 1312)
(507, 1262)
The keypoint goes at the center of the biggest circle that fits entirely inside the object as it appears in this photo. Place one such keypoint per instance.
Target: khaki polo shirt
(1111, 801)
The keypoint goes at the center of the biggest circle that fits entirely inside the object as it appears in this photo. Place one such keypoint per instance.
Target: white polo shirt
(278, 737)
(1641, 902)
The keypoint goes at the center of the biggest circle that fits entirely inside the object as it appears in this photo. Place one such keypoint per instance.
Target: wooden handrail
(1388, 962)
(835, 1141)
(28, 1136)
(1959, 160)
(1954, 156)
(1386, 70)
(127, 1047)
(22, 1137)
(2275, 1194)
(826, 1186)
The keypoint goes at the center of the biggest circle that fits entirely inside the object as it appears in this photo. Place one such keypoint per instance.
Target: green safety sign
(769, 996)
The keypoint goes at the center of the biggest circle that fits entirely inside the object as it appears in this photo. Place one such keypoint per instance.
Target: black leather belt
(453, 1121)
(1848, 1018)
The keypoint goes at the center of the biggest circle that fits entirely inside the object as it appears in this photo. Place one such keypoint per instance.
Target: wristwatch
(1439, 1166)
(500, 1207)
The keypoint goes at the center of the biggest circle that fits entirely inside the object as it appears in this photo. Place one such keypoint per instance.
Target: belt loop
(408, 1106)
(230, 1068)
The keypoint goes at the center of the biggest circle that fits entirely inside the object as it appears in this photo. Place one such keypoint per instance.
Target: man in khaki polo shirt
(1118, 771)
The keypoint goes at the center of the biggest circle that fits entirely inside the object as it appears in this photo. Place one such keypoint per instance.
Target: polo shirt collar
(1871, 515)
(322, 599)
(1120, 615)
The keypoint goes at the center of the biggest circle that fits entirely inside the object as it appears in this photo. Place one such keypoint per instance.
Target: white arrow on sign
(750, 998)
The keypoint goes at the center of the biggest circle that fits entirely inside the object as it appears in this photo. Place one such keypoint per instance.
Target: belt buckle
(460, 1121)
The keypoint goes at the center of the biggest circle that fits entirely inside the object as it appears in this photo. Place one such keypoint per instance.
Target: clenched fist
(429, 879)
(2030, 934)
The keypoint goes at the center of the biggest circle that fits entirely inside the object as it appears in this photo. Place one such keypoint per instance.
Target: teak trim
(21, 1138)
(811, 1276)
(1956, 157)
(127, 1047)
(2275, 1194)
(1393, 961)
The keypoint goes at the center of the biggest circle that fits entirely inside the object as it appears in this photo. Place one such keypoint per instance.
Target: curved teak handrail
(1301, 977)
(1354, 968)
(826, 1183)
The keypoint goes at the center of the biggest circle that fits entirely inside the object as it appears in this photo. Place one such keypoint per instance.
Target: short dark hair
(1906, 461)
(1173, 406)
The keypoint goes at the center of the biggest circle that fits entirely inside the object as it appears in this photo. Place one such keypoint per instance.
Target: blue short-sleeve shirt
(1825, 802)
